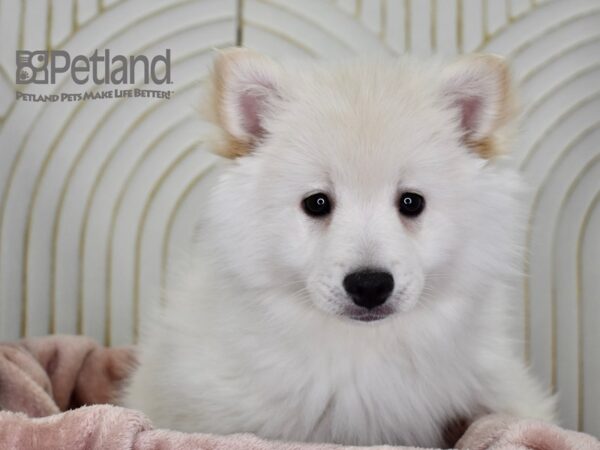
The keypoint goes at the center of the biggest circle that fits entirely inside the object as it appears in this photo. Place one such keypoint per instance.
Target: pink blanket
(39, 378)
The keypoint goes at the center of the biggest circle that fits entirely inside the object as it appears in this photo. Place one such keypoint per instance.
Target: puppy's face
(360, 188)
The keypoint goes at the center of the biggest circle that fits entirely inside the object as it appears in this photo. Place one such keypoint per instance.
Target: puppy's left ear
(245, 92)
(478, 88)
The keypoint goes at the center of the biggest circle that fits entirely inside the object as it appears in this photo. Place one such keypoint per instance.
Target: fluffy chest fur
(299, 376)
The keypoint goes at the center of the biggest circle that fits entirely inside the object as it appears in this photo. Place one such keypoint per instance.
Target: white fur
(255, 338)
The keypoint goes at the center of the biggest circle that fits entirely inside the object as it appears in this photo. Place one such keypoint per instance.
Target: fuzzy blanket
(45, 383)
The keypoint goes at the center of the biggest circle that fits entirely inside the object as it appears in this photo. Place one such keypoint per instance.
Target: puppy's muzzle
(369, 288)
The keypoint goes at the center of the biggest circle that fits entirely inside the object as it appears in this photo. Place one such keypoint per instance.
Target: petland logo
(41, 67)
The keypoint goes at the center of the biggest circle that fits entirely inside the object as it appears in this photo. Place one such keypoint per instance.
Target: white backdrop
(97, 198)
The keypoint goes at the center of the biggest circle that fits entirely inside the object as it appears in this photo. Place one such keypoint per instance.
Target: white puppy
(350, 283)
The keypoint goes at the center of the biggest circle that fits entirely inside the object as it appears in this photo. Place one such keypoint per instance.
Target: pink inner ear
(470, 108)
(251, 109)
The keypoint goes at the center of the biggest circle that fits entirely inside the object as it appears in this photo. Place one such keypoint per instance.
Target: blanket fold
(54, 394)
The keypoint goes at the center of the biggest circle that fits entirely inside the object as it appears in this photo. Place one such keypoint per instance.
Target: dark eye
(317, 205)
(411, 204)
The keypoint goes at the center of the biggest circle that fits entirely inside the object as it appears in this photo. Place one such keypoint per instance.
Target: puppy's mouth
(369, 315)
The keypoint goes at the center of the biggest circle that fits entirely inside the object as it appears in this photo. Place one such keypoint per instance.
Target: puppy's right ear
(478, 88)
(245, 92)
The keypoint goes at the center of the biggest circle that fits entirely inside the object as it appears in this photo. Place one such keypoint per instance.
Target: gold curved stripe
(19, 153)
(104, 9)
(142, 225)
(569, 193)
(239, 23)
(58, 222)
(539, 102)
(167, 239)
(433, 25)
(407, 26)
(95, 184)
(326, 31)
(74, 14)
(71, 172)
(117, 208)
(49, 15)
(2, 120)
(358, 9)
(460, 44)
(87, 208)
(91, 195)
(5, 75)
(308, 20)
(100, 10)
(580, 327)
(12, 103)
(282, 36)
(20, 40)
(532, 149)
(528, 43)
(68, 178)
(529, 236)
(382, 20)
(511, 19)
(514, 18)
(484, 20)
(22, 12)
(555, 57)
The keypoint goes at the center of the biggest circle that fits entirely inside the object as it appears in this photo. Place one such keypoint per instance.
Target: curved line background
(99, 199)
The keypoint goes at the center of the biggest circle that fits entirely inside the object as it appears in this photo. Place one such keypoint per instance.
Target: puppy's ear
(479, 89)
(245, 92)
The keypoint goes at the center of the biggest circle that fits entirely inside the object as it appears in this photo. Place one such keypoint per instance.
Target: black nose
(369, 288)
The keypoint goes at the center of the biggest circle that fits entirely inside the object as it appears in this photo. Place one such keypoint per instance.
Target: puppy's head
(363, 189)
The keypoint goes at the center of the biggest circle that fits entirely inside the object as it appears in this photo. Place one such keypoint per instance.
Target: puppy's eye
(411, 204)
(317, 205)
